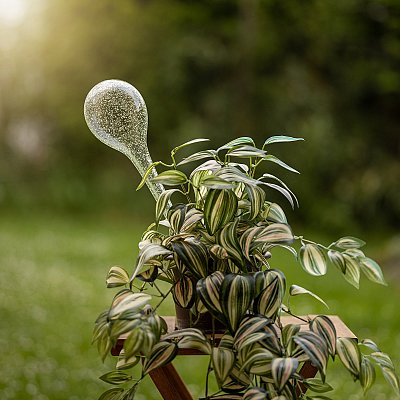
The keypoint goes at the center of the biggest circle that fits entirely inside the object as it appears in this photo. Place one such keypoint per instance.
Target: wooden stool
(170, 384)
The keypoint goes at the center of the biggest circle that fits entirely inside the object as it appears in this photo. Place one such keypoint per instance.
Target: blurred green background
(325, 70)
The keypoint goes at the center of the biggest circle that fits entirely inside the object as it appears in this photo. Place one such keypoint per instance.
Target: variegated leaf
(296, 290)
(255, 393)
(163, 201)
(222, 361)
(126, 300)
(237, 142)
(367, 374)
(276, 160)
(283, 185)
(112, 394)
(276, 233)
(251, 339)
(256, 196)
(237, 380)
(194, 255)
(352, 274)
(349, 242)
(383, 359)
(392, 378)
(258, 361)
(126, 363)
(150, 275)
(370, 344)
(200, 155)
(190, 338)
(281, 139)
(269, 301)
(246, 151)
(316, 385)
(325, 328)
(283, 191)
(208, 289)
(181, 146)
(172, 177)
(248, 326)
(274, 213)
(228, 239)
(349, 353)
(117, 276)
(372, 270)
(192, 217)
(337, 260)
(312, 259)
(247, 241)
(138, 343)
(233, 174)
(219, 208)
(282, 370)
(215, 182)
(161, 354)
(184, 292)
(147, 173)
(116, 377)
(288, 332)
(237, 293)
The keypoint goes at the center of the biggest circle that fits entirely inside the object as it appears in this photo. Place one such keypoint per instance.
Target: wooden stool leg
(169, 383)
(307, 371)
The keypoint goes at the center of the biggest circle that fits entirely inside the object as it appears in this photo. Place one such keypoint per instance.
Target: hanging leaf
(222, 361)
(372, 270)
(228, 239)
(337, 260)
(349, 353)
(316, 385)
(273, 212)
(192, 217)
(163, 201)
(367, 374)
(116, 377)
(276, 160)
(200, 155)
(249, 326)
(194, 255)
(282, 370)
(288, 332)
(269, 301)
(112, 394)
(117, 276)
(283, 184)
(219, 208)
(280, 139)
(276, 233)
(237, 380)
(247, 241)
(146, 174)
(208, 289)
(325, 328)
(383, 360)
(349, 242)
(370, 344)
(352, 274)
(256, 197)
(190, 338)
(161, 354)
(312, 259)
(258, 361)
(296, 290)
(392, 378)
(151, 274)
(172, 177)
(255, 393)
(126, 300)
(126, 363)
(184, 292)
(237, 293)
(215, 182)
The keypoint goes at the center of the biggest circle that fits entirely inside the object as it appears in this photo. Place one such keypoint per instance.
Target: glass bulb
(116, 114)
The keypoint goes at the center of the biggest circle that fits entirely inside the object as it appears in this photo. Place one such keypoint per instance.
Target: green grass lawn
(52, 271)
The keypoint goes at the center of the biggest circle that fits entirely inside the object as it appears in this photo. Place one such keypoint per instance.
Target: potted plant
(214, 233)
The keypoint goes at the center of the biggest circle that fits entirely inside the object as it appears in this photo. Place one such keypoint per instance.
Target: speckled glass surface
(116, 114)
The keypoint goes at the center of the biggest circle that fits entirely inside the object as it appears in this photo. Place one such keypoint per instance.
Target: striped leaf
(316, 385)
(337, 260)
(200, 155)
(264, 278)
(161, 354)
(274, 213)
(172, 177)
(349, 353)
(192, 217)
(283, 186)
(246, 151)
(190, 338)
(367, 374)
(140, 341)
(208, 289)
(280, 139)
(255, 393)
(392, 378)
(288, 332)
(150, 275)
(383, 359)
(233, 174)
(176, 217)
(276, 160)
(222, 361)
(247, 241)
(296, 290)
(163, 201)
(181, 146)
(215, 182)
(194, 255)
(219, 208)
(282, 370)
(237, 380)
(258, 361)
(312, 259)
(237, 293)
(237, 142)
(126, 363)
(248, 326)
(283, 191)
(371, 345)
(149, 171)
(372, 270)
(269, 301)
(184, 292)
(228, 239)
(218, 252)
(148, 252)
(276, 233)
(256, 196)
(352, 274)
(116, 377)
(251, 339)
(315, 348)
(349, 242)
(325, 328)
(227, 341)
(112, 394)
(126, 300)
(117, 276)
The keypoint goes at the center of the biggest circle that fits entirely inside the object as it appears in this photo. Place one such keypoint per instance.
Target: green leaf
(248, 326)
(282, 370)
(276, 160)
(370, 344)
(215, 182)
(325, 328)
(288, 332)
(237, 142)
(200, 155)
(139, 341)
(281, 139)
(367, 374)
(392, 378)
(246, 151)
(255, 393)
(349, 242)
(296, 290)
(116, 377)
(146, 174)
(184, 292)
(223, 360)
(247, 241)
(349, 353)
(174, 150)
(117, 276)
(172, 177)
(208, 289)
(228, 239)
(126, 363)
(274, 213)
(283, 191)
(237, 292)
(269, 301)
(275, 233)
(256, 197)
(337, 260)
(126, 300)
(352, 274)
(316, 385)
(112, 394)
(372, 270)
(192, 217)
(283, 184)
(190, 338)
(148, 252)
(312, 259)
(219, 208)
(258, 361)
(163, 201)
(194, 255)
(161, 354)
(383, 359)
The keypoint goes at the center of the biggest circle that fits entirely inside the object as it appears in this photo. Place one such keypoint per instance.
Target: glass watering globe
(116, 114)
